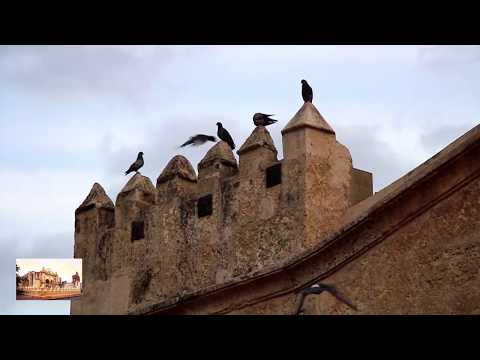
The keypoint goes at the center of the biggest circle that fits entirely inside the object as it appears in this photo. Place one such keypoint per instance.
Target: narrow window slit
(204, 206)
(138, 230)
(273, 175)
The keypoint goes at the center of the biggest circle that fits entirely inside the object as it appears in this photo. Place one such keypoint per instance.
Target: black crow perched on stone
(307, 92)
(199, 139)
(224, 135)
(136, 165)
(317, 289)
(260, 119)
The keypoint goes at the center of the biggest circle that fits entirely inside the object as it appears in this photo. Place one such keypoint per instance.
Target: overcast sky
(74, 115)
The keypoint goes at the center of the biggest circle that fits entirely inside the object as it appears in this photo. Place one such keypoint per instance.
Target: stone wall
(154, 244)
(429, 266)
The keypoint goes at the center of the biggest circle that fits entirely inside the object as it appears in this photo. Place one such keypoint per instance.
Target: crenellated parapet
(189, 232)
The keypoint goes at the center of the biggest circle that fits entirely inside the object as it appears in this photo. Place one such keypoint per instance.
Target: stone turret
(257, 152)
(208, 247)
(95, 214)
(179, 167)
(138, 188)
(170, 230)
(97, 198)
(256, 155)
(132, 209)
(93, 219)
(317, 171)
(178, 179)
(132, 204)
(218, 162)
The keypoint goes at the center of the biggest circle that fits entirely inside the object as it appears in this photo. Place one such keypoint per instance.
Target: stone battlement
(190, 232)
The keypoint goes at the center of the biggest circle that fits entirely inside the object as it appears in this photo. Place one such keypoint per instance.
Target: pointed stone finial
(178, 166)
(221, 153)
(308, 117)
(139, 182)
(260, 137)
(97, 198)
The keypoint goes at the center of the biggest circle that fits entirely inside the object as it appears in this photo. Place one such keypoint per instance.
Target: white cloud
(60, 72)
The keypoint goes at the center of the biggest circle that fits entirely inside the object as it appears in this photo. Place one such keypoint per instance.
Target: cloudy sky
(74, 115)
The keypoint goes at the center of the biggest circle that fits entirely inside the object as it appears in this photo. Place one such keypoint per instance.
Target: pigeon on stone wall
(136, 165)
(199, 139)
(260, 119)
(224, 135)
(317, 289)
(307, 92)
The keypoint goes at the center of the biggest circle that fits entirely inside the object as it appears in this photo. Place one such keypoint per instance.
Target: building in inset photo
(48, 279)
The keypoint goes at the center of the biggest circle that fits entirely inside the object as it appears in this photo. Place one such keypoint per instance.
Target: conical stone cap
(139, 182)
(260, 137)
(308, 117)
(178, 166)
(219, 152)
(97, 198)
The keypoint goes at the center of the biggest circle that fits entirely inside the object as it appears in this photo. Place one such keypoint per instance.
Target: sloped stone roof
(308, 116)
(260, 137)
(178, 166)
(97, 198)
(221, 152)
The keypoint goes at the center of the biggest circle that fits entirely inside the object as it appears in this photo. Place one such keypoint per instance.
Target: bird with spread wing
(199, 139)
(317, 289)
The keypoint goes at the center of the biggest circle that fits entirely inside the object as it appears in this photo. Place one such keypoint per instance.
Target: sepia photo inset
(48, 279)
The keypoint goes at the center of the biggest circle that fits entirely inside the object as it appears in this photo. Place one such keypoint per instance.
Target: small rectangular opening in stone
(273, 175)
(138, 230)
(204, 206)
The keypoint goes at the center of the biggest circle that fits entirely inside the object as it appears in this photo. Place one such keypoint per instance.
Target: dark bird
(199, 139)
(136, 165)
(307, 92)
(260, 119)
(224, 135)
(317, 289)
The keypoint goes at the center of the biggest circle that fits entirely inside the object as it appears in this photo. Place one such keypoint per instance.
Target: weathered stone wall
(251, 226)
(318, 173)
(429, 266)
(94, 222)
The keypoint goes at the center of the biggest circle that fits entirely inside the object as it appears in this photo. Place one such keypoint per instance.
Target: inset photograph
(48, 279)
